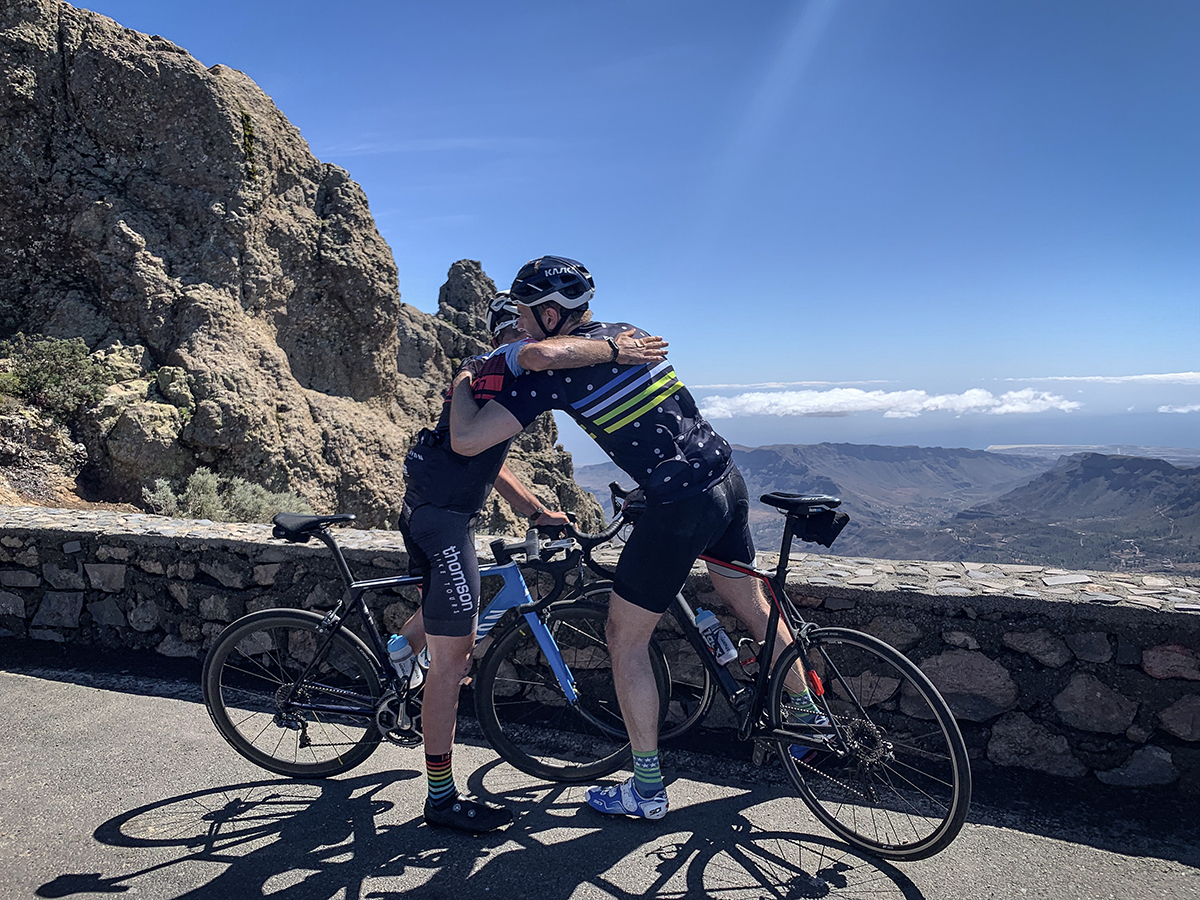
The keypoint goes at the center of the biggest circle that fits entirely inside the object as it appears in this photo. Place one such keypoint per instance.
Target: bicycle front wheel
(898, 781)
(524, 713)
(692, 690)
(303, 725)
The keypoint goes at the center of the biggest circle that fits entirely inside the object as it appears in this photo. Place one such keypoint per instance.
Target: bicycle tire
(903, 790)
(245, 676)
(692, 688)
(524, 714)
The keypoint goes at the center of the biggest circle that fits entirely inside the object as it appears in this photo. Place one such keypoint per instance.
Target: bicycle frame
(748, 701)
(513, 595)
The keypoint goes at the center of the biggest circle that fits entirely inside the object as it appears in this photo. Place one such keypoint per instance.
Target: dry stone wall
(1073, 674)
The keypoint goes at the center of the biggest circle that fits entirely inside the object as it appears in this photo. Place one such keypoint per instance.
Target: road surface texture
(114, 781)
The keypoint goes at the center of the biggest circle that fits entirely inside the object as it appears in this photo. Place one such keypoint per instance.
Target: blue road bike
(300, 693)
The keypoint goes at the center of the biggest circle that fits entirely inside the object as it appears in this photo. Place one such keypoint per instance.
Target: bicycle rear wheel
(251, 691)
(902, 788)
(525, 715)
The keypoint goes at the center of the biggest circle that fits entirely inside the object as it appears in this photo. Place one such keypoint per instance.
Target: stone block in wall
(173, 646)
(19, 578)
(1088, 704)
(1182, 718)
(106, 552)
(839, 603)
(59, 609)
(190, 629)
(228, 575)
(1019, 741)
(264, 575)
(1043, 646)
(900, 633)
(151, 566)
(64, 579)
(107, 577)
(1171, 661)
(976, 687)
(320, 597)
(144, 617)
(1147, 766)
(960, 639)
(1090, 646)
(179, 593)
(222, 608)
(11, 605)
(1129, 653)
(107, 612)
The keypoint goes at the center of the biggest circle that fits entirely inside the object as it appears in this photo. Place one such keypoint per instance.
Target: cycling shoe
(464, 814)
(798, 752)
(622, 800)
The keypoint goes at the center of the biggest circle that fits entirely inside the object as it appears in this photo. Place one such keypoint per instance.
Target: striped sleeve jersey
(642, 416)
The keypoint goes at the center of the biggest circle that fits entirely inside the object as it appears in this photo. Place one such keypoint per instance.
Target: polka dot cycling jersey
(642, 416)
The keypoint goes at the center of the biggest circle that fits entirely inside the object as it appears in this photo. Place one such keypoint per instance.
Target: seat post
(326, 538)
(785, 548)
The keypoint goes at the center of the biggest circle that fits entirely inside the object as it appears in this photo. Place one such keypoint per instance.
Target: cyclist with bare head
(445, 492)
(696, 501)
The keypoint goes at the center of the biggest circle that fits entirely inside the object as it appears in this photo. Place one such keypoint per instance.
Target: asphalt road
(114, 782)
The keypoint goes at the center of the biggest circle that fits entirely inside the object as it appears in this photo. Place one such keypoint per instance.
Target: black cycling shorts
(441, 549)
(668, 538)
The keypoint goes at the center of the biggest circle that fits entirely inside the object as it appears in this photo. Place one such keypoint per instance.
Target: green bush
(57, 376)
(219, 498)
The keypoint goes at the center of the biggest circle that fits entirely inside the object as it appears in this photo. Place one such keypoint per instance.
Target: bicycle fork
(515, 595)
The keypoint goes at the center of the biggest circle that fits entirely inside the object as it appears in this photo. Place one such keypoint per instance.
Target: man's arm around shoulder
(568, 352)
(473, 428)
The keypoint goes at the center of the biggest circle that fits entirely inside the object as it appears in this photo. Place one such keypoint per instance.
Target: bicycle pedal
(760, 753)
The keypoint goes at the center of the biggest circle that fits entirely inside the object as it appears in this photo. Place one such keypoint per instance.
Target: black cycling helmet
(502, 312)
(553, 278)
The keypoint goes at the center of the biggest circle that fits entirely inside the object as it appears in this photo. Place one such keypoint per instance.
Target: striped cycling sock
(441, 778)
(802, 701)
(647, 776)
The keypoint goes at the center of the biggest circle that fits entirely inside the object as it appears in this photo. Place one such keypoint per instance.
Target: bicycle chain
(813, 769)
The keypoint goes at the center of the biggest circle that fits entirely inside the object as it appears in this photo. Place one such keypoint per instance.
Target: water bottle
(404, 661)
(715, 636)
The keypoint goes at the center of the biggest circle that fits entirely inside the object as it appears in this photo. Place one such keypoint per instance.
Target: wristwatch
(616, 350)
(537, 513)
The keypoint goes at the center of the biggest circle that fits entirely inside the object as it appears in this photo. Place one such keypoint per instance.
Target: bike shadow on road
(346, 837)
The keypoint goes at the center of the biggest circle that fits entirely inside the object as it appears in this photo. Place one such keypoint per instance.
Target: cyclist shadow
(722, 853)
(340, 837)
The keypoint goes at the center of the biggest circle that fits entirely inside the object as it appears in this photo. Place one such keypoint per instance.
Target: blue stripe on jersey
(644, 376)
(624, 376)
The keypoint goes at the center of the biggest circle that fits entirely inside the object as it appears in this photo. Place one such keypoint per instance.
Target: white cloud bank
(1165, 378)
(893, 404)
(1195, 407)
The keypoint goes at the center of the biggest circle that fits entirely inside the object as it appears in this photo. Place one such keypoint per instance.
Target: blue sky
(889, 221)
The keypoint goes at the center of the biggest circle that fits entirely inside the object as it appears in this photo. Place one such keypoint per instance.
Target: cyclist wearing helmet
(445, 492)
(644, 418)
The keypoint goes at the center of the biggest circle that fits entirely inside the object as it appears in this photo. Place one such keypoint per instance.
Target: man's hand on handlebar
(550, 517)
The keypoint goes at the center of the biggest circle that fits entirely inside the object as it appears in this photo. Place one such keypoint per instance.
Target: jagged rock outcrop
(170, 212)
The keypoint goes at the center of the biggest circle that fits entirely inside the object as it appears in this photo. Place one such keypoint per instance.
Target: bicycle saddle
(298, 529)
(800, 504)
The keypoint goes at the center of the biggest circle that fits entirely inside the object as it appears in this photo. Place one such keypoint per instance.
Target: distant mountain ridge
(1086, 511)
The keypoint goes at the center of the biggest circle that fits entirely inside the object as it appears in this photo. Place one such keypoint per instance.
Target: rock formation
(170, 215)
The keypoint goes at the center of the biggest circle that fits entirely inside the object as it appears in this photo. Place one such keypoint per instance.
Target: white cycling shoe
(622, 800)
